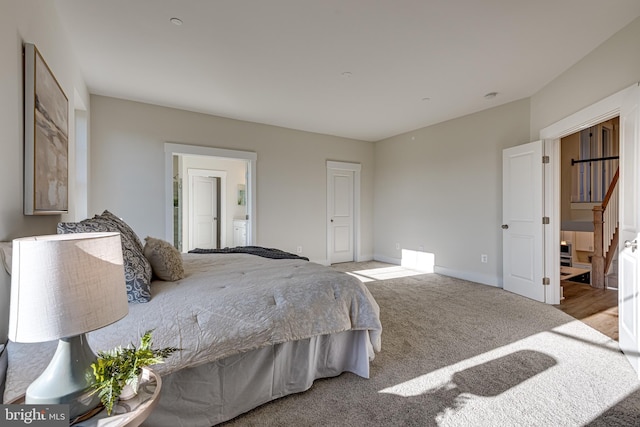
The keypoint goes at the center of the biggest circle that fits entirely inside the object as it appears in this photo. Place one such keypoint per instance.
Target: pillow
(137, 270)
(165, 260)
(122, 226)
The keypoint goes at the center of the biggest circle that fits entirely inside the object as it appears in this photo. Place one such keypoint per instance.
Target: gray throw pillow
(137, 270)
(165, 260)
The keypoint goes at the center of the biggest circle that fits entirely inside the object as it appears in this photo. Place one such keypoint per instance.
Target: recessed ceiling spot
(347, 74)
(491, 95)
(176, 21)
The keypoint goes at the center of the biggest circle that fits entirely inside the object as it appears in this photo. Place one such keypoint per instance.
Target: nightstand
(127, 413)
(132, 412)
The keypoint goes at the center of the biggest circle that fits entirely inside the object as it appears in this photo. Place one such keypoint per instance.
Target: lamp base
(67, 378)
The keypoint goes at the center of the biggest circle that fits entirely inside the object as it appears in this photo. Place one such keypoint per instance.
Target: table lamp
(63, 286)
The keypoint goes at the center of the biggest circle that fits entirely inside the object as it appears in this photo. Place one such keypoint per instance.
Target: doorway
(343, 211)
(602, 111)
(588, 166)
(237, 170)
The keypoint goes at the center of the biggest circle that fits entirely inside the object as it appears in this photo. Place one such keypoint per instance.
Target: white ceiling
(282, 62)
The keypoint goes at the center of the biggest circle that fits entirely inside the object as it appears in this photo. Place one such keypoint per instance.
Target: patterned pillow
(137, 270)
(123, 227)
(165, 260)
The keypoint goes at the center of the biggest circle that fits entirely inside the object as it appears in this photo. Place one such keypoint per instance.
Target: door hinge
(545, 220)
(546, 281)
(545, 159)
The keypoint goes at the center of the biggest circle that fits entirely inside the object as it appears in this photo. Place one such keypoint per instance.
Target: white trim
(356, 168)
(602, 110)
(387, 259)
(552, 211)
(251, 157)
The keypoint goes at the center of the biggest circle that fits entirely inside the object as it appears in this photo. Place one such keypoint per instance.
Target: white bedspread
(227, 304)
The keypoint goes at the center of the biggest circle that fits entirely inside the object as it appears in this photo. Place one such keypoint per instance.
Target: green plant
(122, 366)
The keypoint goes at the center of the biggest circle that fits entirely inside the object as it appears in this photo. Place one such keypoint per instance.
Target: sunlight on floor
(568, 360)
(384, 273)
(413, 263)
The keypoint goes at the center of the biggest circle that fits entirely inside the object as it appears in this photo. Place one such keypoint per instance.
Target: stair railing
(605, 234)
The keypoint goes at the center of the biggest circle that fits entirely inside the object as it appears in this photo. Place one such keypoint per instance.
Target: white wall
(127, 170)
(35, 22)
(613, 66)
(440, 187)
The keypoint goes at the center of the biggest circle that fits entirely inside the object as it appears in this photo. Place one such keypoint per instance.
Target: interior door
(522, 212)
(340, 203)
(204, 212)
(629, 226)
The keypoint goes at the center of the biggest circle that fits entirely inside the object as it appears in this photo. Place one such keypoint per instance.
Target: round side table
(131, 412)
(125, 413)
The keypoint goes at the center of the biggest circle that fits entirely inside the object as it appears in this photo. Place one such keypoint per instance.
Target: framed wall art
(46, 145)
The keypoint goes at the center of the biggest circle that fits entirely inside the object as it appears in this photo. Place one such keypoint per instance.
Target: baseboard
(365, 257)
(361, 258)
(464, 275)
(470, 276)
(388, 260)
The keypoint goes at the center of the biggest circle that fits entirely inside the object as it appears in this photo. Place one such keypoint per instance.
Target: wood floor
(597, 308)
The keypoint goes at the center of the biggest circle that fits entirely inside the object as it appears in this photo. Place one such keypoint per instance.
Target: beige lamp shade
(64, 285)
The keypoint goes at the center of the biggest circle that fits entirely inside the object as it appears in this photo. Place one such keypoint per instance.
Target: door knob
(505, 226)
(629, 244)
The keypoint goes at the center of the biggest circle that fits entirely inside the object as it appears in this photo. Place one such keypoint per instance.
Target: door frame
(221, 202)
(356, 169)
(251, 157)
(598, 112)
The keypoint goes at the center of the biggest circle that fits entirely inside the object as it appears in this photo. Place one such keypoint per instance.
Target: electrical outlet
(397, 246)
(299, 249)
(484, 259)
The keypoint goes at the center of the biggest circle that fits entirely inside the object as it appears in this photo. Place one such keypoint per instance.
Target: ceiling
(360, 69)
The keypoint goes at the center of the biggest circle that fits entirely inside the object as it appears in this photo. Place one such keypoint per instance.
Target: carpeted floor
(456, 353)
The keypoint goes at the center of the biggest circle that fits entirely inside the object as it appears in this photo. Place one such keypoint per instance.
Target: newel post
(597, 260)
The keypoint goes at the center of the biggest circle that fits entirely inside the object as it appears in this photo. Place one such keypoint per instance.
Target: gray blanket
(251, 250)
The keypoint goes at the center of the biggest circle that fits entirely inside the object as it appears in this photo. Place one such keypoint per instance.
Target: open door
(629, 255)
(522, 220)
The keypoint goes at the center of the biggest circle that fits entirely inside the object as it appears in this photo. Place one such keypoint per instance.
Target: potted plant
(120, 368)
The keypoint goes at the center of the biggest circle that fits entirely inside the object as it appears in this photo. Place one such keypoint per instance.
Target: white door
(340, 201)
(204, 212)
(522, 212)
(628, 257)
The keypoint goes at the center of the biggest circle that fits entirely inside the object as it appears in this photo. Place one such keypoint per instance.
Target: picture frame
(46, 138)
(242, 195)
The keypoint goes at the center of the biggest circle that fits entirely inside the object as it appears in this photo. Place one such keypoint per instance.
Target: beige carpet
(456, 353)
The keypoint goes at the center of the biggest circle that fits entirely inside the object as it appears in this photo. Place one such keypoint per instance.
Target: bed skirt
(219, 391)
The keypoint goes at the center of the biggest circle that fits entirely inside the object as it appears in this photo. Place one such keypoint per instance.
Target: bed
(252, 329)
